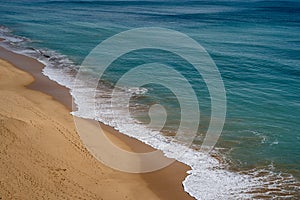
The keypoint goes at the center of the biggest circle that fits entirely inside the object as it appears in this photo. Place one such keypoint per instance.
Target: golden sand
(41, 155)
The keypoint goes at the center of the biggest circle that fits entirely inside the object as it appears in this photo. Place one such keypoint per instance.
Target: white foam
(5, 33)
(207, 179)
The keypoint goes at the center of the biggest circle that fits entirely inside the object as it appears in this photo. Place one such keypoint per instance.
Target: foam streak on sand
(41, 156)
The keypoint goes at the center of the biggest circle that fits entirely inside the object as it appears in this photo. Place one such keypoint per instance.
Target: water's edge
(208, 179)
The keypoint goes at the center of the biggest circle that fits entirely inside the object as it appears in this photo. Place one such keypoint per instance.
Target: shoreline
(165, 183)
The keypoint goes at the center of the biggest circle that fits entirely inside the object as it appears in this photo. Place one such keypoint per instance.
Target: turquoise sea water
(255, 45)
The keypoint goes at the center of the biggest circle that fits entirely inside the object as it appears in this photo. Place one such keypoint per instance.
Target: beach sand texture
(41, 155)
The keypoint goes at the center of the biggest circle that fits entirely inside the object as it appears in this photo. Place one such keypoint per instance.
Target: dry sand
(41, 155)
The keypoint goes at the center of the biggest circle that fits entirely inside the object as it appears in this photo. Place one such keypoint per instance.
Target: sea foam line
(207, 179)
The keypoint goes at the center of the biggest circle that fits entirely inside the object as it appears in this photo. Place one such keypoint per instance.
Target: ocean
(256, 46)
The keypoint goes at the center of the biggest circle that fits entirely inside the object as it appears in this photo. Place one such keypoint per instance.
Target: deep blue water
(255, 45)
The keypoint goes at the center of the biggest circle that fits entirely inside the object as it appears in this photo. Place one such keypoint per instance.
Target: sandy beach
(42, 156)
(93, 93)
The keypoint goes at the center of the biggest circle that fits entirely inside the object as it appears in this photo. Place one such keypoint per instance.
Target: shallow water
(255, 45)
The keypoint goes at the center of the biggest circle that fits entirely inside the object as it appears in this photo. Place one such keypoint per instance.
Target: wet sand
(43, 156)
